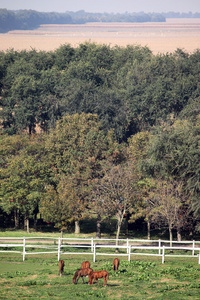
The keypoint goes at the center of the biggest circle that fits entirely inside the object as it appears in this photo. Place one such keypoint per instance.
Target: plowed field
(159, 37)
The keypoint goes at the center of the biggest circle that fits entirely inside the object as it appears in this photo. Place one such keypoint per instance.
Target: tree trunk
(77, 227)
(35, 222)
(26, 223)
(127, 224)
(98, 234)
(170, 236)
(148, 230)
(120, 216)
(16, 212)
(119, 223)
(178, 235)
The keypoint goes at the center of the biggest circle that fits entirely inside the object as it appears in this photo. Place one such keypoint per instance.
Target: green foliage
(77, 96)
(76, 150)
(22, 174)
(129, 88)
(174, 151)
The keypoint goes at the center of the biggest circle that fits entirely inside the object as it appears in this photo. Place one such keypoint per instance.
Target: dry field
(159, 37)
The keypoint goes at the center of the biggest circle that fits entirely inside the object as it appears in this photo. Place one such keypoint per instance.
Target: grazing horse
(61, 267)
(85, 264)
(98, 274)
(115, 264)
(82, 273)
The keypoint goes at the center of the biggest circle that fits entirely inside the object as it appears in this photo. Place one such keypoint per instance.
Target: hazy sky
(109, 6)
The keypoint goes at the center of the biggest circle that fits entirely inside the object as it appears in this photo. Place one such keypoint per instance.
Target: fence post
(159, 245)
(193, 247)
(92, 245)
(129, 253)
(24, 248)
(94, 252)
(127, 243)
(58, 249)
(163, 255)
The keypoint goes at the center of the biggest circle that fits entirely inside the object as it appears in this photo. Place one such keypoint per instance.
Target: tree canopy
(85, 128)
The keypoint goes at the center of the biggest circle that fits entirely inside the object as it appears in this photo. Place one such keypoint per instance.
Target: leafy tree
(174, 153)
(137, 152)
(22, 178)
(75, 150)
(63, 56)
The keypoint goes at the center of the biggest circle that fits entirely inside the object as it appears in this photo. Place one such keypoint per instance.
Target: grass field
(159, 37)
(142, 278)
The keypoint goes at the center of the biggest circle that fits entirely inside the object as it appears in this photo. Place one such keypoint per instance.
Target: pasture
(159, 37)
(142, 278)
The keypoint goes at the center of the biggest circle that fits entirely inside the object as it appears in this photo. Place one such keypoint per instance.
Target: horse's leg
(105, 282)
(93, 280)
(83, 279)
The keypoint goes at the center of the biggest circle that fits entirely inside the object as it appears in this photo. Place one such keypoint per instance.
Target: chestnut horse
(61, 267)
(115, 264)
(82, 273)
(85, 264)
(98, 274)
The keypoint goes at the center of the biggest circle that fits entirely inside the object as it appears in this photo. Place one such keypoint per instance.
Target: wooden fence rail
(131, 246)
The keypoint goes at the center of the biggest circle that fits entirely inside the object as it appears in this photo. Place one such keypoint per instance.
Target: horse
(115, 264)
(81, 273)
(98, 274)
(85, 264)
(61, 267)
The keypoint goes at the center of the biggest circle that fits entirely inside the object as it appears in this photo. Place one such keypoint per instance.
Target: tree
(117, 189)
(75, 150)
(137, 152)
(22, 178)
(173, 152)
(168, 204)
(54, 208)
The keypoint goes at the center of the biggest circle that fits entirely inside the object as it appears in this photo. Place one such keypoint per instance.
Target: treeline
(30, 19)
(111, 132)
(188, 15)
(82, 16)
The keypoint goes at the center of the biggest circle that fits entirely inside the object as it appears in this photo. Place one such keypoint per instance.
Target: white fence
(125, 247)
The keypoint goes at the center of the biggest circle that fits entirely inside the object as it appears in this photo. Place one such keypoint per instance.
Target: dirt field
(159, 37)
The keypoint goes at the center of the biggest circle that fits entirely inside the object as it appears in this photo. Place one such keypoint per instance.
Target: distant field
(159, 37)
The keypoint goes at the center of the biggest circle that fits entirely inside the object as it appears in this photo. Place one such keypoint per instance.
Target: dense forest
(101, 131)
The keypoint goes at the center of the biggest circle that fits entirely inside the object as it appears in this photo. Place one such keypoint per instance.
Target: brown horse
(61, 267)
(81, 273)
(85, 264)
(115, 264)
(98, 274)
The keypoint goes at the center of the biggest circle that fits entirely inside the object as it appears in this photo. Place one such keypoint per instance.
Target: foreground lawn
(142, 278)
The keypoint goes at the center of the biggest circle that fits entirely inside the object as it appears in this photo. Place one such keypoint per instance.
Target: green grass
(142, 278)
